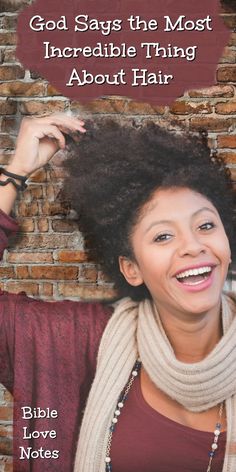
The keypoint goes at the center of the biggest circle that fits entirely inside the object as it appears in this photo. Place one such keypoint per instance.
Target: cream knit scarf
(135, 330)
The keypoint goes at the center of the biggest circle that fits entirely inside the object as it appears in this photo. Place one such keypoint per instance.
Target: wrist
(16, 169)
(8, 177)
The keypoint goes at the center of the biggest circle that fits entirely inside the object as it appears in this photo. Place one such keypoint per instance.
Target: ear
(130, 271)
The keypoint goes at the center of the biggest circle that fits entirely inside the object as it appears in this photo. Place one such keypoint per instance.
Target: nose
(191, 245)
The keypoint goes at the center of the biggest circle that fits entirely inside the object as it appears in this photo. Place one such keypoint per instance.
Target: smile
(194, 276)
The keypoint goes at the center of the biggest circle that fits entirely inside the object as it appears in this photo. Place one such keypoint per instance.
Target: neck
(194, 336)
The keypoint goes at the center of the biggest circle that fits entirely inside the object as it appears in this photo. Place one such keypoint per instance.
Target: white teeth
(198, 271)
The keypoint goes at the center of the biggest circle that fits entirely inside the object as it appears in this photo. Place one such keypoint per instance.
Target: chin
(204, 306)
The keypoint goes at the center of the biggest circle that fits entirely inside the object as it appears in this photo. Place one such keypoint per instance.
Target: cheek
(154, 265)
(223, 249)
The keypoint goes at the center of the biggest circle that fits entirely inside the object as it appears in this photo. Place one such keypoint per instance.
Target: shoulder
(59, 330)
(87, 316)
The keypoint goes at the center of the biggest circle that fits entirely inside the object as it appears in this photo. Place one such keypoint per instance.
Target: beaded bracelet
(11, 179)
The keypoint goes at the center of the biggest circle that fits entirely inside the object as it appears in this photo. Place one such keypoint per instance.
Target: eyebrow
(154, 223)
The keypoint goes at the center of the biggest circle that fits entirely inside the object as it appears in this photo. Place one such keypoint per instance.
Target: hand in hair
(38, 140)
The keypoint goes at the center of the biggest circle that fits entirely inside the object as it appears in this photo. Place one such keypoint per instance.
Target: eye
(161, 238)
(207, 226)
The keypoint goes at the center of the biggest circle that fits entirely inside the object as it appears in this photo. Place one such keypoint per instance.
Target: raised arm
(38, 140)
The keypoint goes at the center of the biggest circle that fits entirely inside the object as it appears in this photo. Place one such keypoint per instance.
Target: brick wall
(47, 259)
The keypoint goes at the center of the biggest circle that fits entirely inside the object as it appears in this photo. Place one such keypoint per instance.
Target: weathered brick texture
(48, 259)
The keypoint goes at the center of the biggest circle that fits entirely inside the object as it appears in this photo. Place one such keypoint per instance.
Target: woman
(164, 392)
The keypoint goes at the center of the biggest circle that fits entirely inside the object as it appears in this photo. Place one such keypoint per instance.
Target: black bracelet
(21, 178)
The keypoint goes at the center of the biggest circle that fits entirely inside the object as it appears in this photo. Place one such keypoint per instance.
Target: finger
(68, 125)
(54, 132)
(69, 122)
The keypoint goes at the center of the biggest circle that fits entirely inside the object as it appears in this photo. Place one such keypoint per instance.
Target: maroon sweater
(147, 441)
(47, 360)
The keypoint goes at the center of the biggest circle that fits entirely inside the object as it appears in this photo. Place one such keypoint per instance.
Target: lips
(194, 275)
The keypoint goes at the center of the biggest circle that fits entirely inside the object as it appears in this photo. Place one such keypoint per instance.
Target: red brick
(39, 176)
(51, 91)
(88, 274)
(232, 40)
(12, 5)
(85, 292)
(8, 466)
(9, 124)
(51, 192)
(139, 108)
(211, 142)
(54, 272)
(210, 124)
(8, 398)
(5, 446)
(46, 290)
(28, 209)
(227, 141)
(26, 196)
(33, 192)
(233, 174)
(11, 72)
(226, 74)
(6, 463)
(22, 272)
(29, 257)
(27, 225)
(5, 157)
(9, 22)
(31, 288)
(213, 92)
(43, 225)
(230, 21)
(54, 208)
(6, 272)
(5, 431)
(226, 108)
(228, 156)
(47, 241)
(5, 413)
(101, 105)
(6, 142)
(186, 107)
(8, 39)
(33, 107)
(7, 107)
(64, 226)
(72, 256)
(9, 54)
(228, 57)
(24, 89)
(103, 278)
(57, 173)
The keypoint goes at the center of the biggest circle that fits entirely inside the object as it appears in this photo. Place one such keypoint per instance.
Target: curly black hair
(229, 4)
(115, 170)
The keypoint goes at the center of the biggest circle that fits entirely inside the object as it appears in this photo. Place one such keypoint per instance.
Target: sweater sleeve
(7, 317)
(7, 226)
(7, 311)
(34, 332)
(48, 353)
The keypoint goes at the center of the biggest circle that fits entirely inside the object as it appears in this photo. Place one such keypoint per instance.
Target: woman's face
(181, 252)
